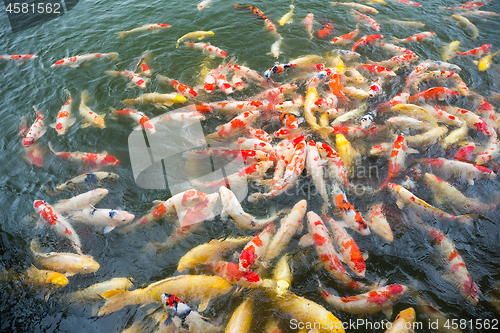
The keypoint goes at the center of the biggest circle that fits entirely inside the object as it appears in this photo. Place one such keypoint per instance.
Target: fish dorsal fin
(203, 305)
(112, 292)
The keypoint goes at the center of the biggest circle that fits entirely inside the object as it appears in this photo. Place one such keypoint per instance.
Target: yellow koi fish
(194, 35)
(485, 62)
(287, 18)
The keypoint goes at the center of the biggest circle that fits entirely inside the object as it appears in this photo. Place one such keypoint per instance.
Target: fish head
(122, 217)
(170, 301)
(89, 265)
(56, 280)
(28, 141)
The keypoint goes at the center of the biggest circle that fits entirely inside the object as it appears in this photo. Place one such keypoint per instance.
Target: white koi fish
(211, 50)
(79, 59)
(309, 22)
(154, 27)
(63, 118)
(87, 199)
(91, 118)
(86, 179)
(314, 167)
(105, 219)
(36, 130)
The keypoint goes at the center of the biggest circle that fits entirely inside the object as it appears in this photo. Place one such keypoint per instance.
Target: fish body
(478, 51)
(467, 24)
(366, 20)
(344, 39)
(326, 30)
(137, 116)
(396, 161)
(212, 51)
(102, 218)
(287, 18)
(254, 10)
(439, 93)
(336, 167)
(378, 223)
(57, 222)
(447, 168)
(91, 118)
(348, 213)
(95, 291)
(92, 159)
(63, 118)
(282, 275)
(191, 288)
(204, 4)
(271, 28)
(36, 130)
(156, 98)
(308, 23)
(314, 167)
(356, 6)
(408, 3)
(256, 248)
(135, 78)
(79, 59)
(181, 88)
(485, 62)
(40, 278)
(231, 273)
(377, 70)
(87, 199)
(241, 319)
(86, 179)
(398, 61)
(17, 57)
(236, 125)
(404, 322)
(194, 35)
(154, 27)
(418, 37)
(366, 40)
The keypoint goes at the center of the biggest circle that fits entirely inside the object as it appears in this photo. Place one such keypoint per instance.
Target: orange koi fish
(327, 29)
(254, 10)
(212, 51)
(92, 159)
(181, 88)
(366, 20)
(366, 40)
(344, 39)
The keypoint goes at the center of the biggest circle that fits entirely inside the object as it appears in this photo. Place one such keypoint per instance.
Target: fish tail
(49, 190)
(85, 97)
(112, 73)
(115, 300)
(51, 148)
(122, 34)
(68, 94)
(114, 56)
(163, 78)
(467, 218)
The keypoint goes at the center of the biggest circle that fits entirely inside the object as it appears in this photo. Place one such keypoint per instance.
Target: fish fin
(388, 312)
(53, 125)
(103, 115)
(121, 34)
(365, 255)
(400, 204)
(114, 56)
(108, 228)
(86, 125)
(203, 305)
(306, 240)
(115, 300)
(47, 296)
(68, 274)
(475, 62)
(412, 151)
(470, 181)
(39, 223)
(112, 292)
(71, 121)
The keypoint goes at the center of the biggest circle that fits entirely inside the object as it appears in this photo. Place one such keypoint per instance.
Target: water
(91, 27)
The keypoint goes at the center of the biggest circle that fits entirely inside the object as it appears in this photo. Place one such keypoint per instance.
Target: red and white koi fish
(465, 153)
(446, 168)
(142, 66)
(375, 88)
(396, 161)
(397, 61)
(87, 199)
(378, 223)
(236, 125)
(417, 38)
(366, 40)
(405, 197)
(405, 320)
(134, 77)
(472, 120)
(353, 132)
(445, 193)
(17, 57)
(79, 59)
(381, 149)
(273, 92)
(232, 207)
(408, 3)
(249, 156)
(256, 248)
(271, 28)
(181, 88)
(105, 219)
(366, 20)
(283, 153)
(374, 301)
(480, 13)
(439, 93)
(327, 29)
(377, 70)
(319, 236)
(351, 255)
(337, 88)
(96, 160)
(309, 22)
(221, 82)
(314, 167)
(204, 4)
(212, 51)
(344, 39)
(442, 76)
(490, 151)
(292, 223)
(455, 265)
(57, 222)
(325, 103)
(356, 6)
(466, 6)
(137, 116)
(255, 144)
(260, 134)
(237, 82)
(154, 27)
(336, 168)
(63, 118)
(348, 213)
(255, 171)
(232, 274)
(430, 65)
(91, 118)
(34, 154)
(290, 177)
(36, 130)
(442, 116)
(394, 48)
(247, 73)
(209, 81)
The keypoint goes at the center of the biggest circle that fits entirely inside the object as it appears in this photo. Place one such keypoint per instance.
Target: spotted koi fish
(154, 27)
(180, 87)
(256, 248)
(86, 179)
(314, 167)
(56, 221)
(278, 68)
(95, 160)
(79, 59)
(348, 213)
(17, 57)
(408, 3)
(235, 126)
(366, 20)
(344, 39)
(442, 76)
(91, 118)
(478, 51)
(254, 144)
(255, 171)
(211, 50)
(455, 265)
(137, 116)
(319, 236)
(378, 223)
(472, 120)
(249, 156)
(246, 72)
(134, 77)
(490, 151)
(396, 161)
(406, 198)
(36, 130)
(398, 61)
(351, 255)
(377, 70)
(63, 118)
(366, 40)
(417, 38)
(254, 10)
(232, 274)
(142, 65)
(104, 219)
(394, 48)
(308, 23)
(336, 168)
(257, 133)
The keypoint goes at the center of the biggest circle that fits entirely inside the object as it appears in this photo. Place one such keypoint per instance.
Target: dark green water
(91, 27)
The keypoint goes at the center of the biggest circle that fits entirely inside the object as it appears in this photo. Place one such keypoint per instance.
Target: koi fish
(309, 22)
(278, 68)
(137, 116)
(241, 319)
(348, 213)
(406, 198)
(287, 18)
(180, 87)
(155, 28)
(443, 76)
(472, 120)
(230, 272)
(87, 199)
(336, 167)
(397, 61)
(396, 161)
(485, 62)
(254, 10)
(319, 236)
(194, 35)
(378, 223)
(282, 275)
(271, 28)
(204, 4)
(490, 151)
(105, 219)
(344, 39)
(247, 73)
(18, 57)
(408, 3)
(439, 93)
(478, 51)
(212, 51)
(327, 29)
(255, 144)
(366, 20)
(91, 118)
(86, 179)
(467, 24)
(455, 265)
(134, 77)
(158, 99)
(377, 70)
(235, 126)
(209, 252)
(66, 263)
(404, 321)
(36, 130)
(407, 24)
(375, 88)
(192, 288)
(417, 38)
(389, 47)
(63, 118)
(55, 220)
(381, 299)
(38, 278)
(232, 207)
(314, 167)
(288, 227)
(84, 58)
(366, 40)
(357, 6)
(445, 193)
(256, 248)
(94, 292)
(480, 13)
(96, 160)
(141, 64)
